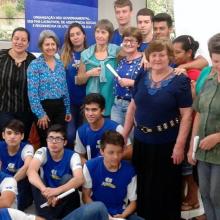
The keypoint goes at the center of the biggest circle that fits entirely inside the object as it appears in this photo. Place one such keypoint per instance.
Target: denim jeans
(209, 184)
(119, 110)
(93, 211)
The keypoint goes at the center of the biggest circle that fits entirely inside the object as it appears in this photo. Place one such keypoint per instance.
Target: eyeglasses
(132, 42)
(55, 139)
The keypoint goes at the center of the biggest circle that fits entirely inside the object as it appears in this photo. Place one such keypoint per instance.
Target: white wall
(198, 18)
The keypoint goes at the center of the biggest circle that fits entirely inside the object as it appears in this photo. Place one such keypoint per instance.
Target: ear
(65, 143)
(189, 53)
(3, 135)
(102, 151)
(22, 136)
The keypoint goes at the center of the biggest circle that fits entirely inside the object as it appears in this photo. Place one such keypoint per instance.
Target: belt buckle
(146, 130)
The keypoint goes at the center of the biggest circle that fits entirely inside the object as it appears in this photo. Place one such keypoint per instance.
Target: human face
(93, 113)
(77, 37)
(161, 30)
(55, 142)
(144, 24)
(181, 56)
(159, 60)
(101, 36)
(12, 138)
(112, 156)
(123, 15)
(215, 57)
(130, 45)
(20, 41)
(49, 47)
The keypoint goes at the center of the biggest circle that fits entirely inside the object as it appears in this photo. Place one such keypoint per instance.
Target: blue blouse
(127, 70)
(43, 83)
(76, 92)
(155, 106)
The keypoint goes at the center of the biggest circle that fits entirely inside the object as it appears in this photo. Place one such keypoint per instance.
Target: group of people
(90, 122)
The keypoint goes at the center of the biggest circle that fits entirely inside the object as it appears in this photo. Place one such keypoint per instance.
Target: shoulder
(113, 49)
(109, 122)
(87, 53)
(4, 53)
(31, 56)
(3, 144)
(128, 167)
(94, 163)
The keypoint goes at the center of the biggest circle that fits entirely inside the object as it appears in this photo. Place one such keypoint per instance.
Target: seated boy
(111, 180)
(89, 134)
(61, 170)
(15, 158)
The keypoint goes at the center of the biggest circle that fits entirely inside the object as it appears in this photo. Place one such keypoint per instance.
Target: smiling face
(112, 156)
(101, 36)
(20, 41)
(123, 15)
(93, 113)
(215, 57)
(159, 60)
(12, 138)
(130, 45)
(181, 56)
(161, 30)
(77, 37)
(49, 47)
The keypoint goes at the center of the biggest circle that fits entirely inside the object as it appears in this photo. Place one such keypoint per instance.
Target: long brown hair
(68, 47)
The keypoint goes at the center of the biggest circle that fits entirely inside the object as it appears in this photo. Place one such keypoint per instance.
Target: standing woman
(161, 111)
(14, 102)
(47, 87)
(207, 126)
(92, 69)
(128, 69)
(74, 44)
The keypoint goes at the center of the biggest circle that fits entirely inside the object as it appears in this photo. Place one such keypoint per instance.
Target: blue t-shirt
(4, 214)
(157, 106)
(76, 92)
(86, 137)
(143, 46)
(127, 70)
(55, 170)
(117, 38)
(10, 164)
(110, 187)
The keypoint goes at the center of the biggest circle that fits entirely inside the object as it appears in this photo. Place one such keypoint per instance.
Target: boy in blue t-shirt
(61, 170)
(111, 180)
(15, 157)
(88, 136)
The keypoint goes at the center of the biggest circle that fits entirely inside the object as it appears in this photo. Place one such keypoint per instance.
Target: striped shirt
(13, 83)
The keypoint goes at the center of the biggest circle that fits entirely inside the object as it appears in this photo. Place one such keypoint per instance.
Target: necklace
(157, 84)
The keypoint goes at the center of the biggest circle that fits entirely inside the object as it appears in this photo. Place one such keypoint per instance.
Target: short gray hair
(47, 34)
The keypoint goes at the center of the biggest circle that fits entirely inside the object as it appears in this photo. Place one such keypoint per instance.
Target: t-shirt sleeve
(17, 214)
(131, 189)
(41, 155)
(9, 184)
(75, 162)
(79, 147)
(88, 180)
(28, 150)
(183, 92)
(120, 130)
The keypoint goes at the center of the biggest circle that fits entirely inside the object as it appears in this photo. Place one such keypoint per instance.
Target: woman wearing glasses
(127, 69)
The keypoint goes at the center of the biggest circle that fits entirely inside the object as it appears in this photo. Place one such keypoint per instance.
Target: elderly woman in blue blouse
(47, 87)
(127, 69)
(207, 126)
(92, 69)
(161, 111)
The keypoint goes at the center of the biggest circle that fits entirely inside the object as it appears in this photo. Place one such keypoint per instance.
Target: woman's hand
(43, 122)
(94, 72)
(179, 71)
(209, 142)
(68, 117)
(178, 154)
(124, 82)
